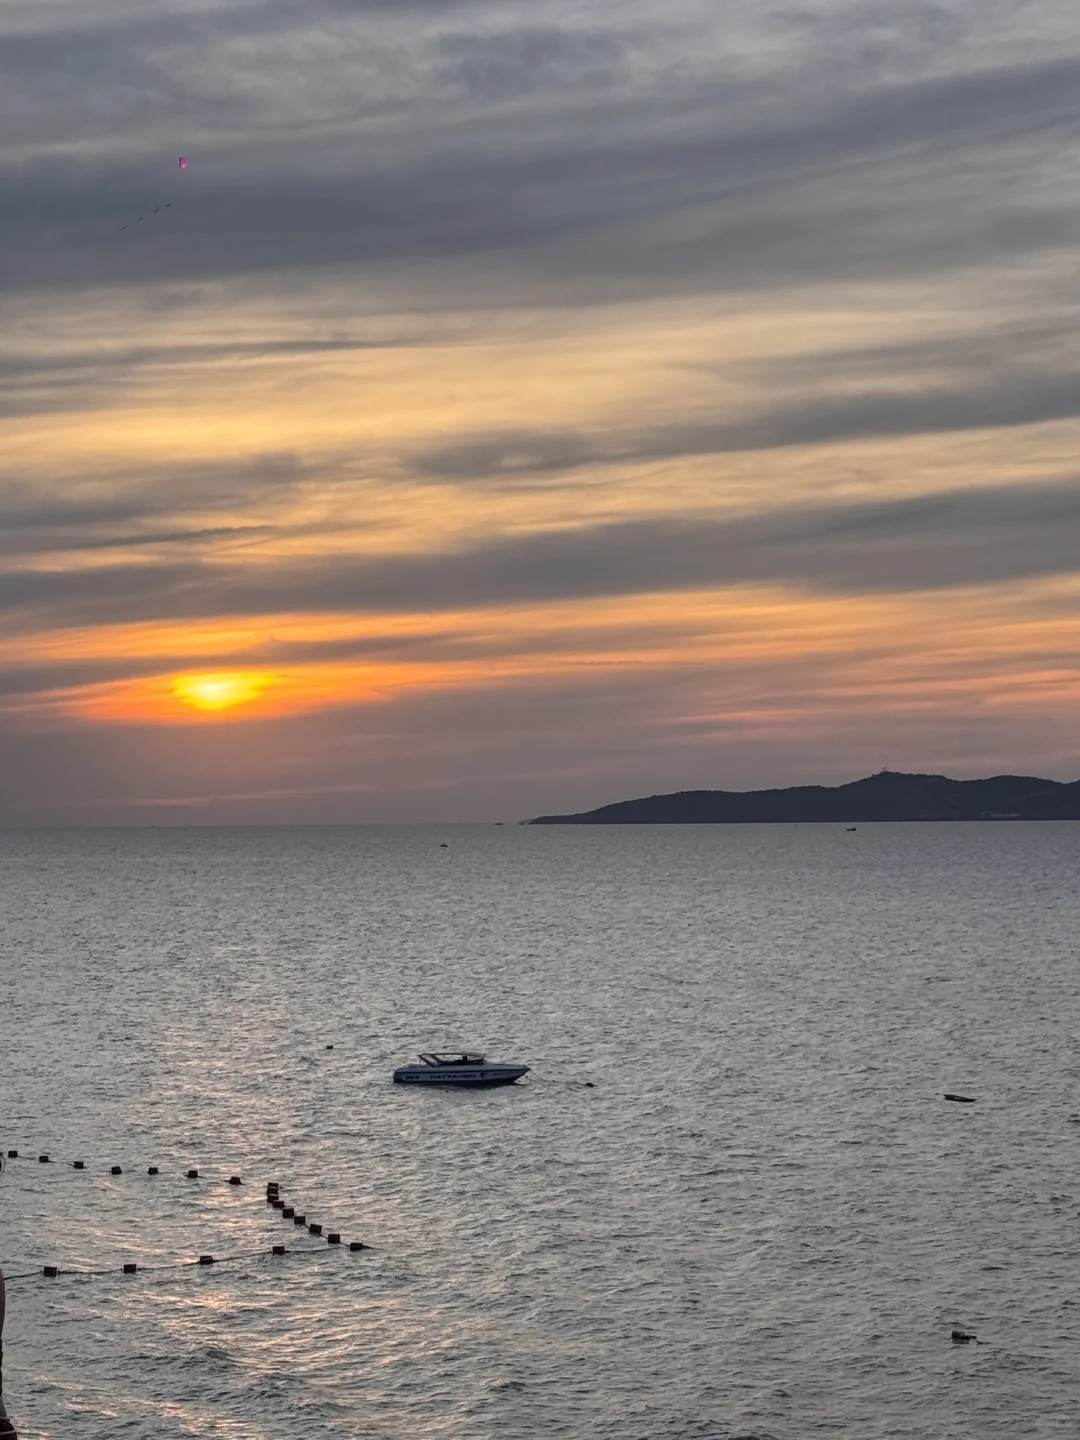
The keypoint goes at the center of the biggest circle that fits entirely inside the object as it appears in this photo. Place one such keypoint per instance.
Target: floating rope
(273, 1198)
(192, 1174)
(290, 1212)
(129, 1267)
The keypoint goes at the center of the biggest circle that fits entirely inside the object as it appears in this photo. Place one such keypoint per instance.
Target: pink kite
(182, 162)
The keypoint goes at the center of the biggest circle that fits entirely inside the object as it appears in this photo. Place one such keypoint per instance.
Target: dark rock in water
(589, 1085)
(963, 1337)
(961, 1099)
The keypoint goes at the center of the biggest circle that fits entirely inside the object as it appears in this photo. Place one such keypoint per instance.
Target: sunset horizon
(504, 411)
(539, 759)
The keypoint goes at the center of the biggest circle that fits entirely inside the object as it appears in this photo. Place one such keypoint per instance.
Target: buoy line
(273, 1198)
(130, 1267)
(193, 1173)
(290, 1212)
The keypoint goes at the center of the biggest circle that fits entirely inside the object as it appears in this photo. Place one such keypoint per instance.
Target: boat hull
(477, 1077)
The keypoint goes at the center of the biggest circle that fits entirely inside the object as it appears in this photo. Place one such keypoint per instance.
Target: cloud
(935, 542)
(35, 384)
(78, 540)
(1005, 401)
(527, 746)
(666, 177)
(35, 514)
(514, 63)
(881, 201)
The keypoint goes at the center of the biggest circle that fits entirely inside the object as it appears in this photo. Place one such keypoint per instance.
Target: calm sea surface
(761, 1219)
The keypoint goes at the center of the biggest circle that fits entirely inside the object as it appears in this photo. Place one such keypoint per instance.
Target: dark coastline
(887, 796)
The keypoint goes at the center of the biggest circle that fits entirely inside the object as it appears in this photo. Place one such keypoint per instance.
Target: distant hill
(887, 796)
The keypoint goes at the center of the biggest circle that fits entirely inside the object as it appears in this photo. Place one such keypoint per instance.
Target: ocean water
(730, 1200)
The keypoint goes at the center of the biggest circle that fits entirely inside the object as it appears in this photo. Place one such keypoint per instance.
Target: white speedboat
(460, 1068)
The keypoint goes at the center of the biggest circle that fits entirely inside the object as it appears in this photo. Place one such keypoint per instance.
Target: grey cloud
(46, 384)
(98, 72)
(133, 356)
(1007, 400)
(60, 31)
(875, 32)
(819, 185)
(127, 510)
(1029, 348)
(72, 541)
(958, 538)
(513, 63)
(504, 455)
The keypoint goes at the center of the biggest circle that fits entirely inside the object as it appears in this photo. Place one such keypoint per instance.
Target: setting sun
(220, 692)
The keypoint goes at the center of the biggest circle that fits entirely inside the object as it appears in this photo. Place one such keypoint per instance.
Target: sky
(517, 407)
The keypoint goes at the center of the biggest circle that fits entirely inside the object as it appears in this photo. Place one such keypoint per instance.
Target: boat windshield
(463, 1057)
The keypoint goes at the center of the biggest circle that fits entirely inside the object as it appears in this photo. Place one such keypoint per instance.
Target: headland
(889, 795)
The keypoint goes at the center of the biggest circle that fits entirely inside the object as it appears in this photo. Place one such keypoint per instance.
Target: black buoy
(43, 1159)
(314, 1229)
(963, 1337)
(206, 1259)
(357, 1245)
(130, 1267)
(78, 1164)
(279, 1249)
(278, 1203)
(589, 1085)
(235, 1180)
(152, 1170)
(961, 1099)
(193, 1174)
(288, 1213)
(49, 1271)
(333, 1238)
(116, 1170)
(329, 1047)
(299, 1219)
(13, 1154)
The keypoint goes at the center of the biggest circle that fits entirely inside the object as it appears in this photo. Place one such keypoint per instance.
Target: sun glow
(220, 691)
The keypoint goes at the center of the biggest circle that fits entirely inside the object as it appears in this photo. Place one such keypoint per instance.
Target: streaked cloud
(936, 542)
(605, 391)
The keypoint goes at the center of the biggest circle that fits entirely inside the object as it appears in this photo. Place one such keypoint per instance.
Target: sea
(729, 1202)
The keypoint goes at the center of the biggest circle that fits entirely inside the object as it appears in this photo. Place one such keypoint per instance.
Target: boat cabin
(463, 1057)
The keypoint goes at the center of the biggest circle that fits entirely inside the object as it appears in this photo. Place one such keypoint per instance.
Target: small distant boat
(460, 1068)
